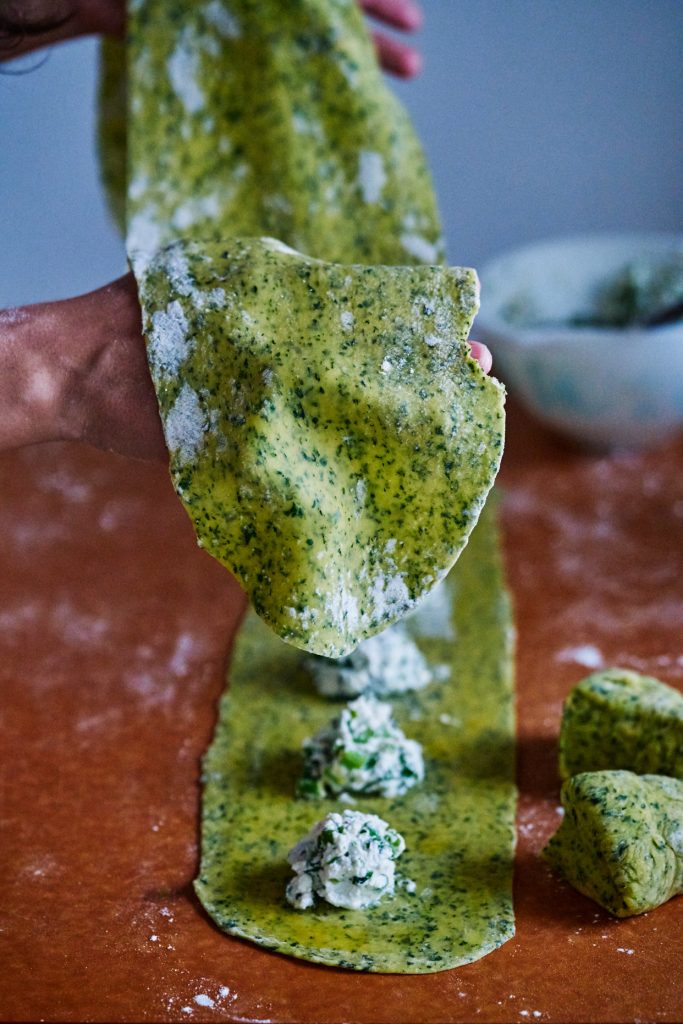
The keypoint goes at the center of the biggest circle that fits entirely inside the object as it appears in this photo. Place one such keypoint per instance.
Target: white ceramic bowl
(605, 387)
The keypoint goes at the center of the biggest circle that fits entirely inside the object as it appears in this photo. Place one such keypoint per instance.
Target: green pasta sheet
(458, 824)
(330, 436)
(265, 117)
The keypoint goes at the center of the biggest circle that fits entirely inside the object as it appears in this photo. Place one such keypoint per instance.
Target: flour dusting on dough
(196, 209)
(185, 425)
(145, 235)
(371, 176)
(183, 71)
(342, 607)
(218, 16)
(168, 345)
(390, 597)
(419, 247)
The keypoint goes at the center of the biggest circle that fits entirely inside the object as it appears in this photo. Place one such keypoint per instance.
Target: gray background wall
(540, 117)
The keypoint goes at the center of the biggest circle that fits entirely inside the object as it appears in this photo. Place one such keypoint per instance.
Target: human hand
(25, 27)
(76, 370)
(395, 57)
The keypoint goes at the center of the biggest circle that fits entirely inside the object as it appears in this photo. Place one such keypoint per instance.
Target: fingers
(397, 58)
(403, 14)
(24, 29)
(482, 355)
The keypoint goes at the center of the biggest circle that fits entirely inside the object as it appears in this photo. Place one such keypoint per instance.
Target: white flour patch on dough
(342, 607)
(420, 248)
(144, 237)
(196, 209)
(220, 18)
(183, 71)
(168, 345)
(185, 425)
(389, 596)
(371, 176)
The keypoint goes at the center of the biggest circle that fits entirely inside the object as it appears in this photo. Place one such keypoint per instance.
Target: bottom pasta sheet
(458, 824)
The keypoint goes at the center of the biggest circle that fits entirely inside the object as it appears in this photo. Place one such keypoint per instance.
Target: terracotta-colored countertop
(114, 630)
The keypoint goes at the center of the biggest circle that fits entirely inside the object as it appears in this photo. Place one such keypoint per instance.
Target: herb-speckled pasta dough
(458, 823)
(621, 839)
(332, 441)
(621, 719)
(329, 436)
(264, 117)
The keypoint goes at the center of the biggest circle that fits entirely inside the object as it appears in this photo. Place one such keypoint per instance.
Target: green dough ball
(330, 436)
(620, 719)
(621, 839)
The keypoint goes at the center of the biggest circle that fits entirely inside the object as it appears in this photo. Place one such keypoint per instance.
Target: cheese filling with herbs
(362, 750)
(314, 414)
(347, 859)
(385, 664)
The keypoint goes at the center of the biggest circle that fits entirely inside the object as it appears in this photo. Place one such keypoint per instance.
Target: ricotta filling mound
(385, 664)
(362, 750)
(347, 859)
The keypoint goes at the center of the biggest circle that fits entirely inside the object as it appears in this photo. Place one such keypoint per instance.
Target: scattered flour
(180, 660)
(586, 654)
(61, 481)
(201, 999)
(76, 627)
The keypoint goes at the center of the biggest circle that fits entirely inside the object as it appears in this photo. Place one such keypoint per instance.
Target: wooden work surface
(114, 630)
